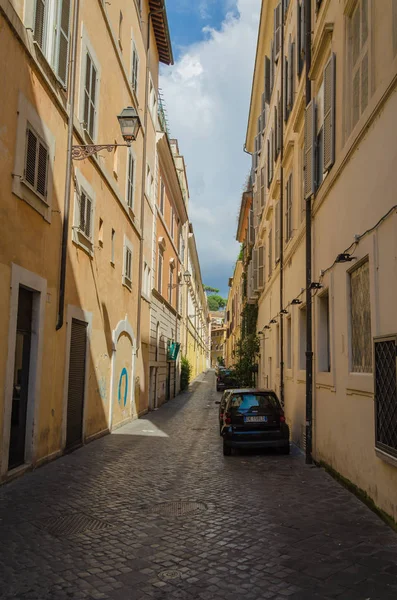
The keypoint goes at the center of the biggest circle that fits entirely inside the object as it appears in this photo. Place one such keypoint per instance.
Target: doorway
(20, 390)
(76, 384)
(168, 383)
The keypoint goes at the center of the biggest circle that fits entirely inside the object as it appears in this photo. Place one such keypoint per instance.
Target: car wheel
(227, 451)
(285, 449)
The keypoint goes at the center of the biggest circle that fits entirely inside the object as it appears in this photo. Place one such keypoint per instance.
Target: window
(262, 187)
(278, 345)
(149, 183)
(288, 212)
(90, 96)
(134, 68)
(261, 266)
(289, 343)
(51, 31)
(157, 342)
(152, 100)
(320, 136)
(160, 271)
(324, 352)
(359, 56)
(277, 231)
(146, 279)
(360, 320)
(302, 338)
(300, 38)
(162, 194)
(113, 239)
(171, 285)
(85, 216)
(181, 246)
(130, 179)
(127, 266)
(172, 223)
(270, 246)
(36, 163)
(302, 184)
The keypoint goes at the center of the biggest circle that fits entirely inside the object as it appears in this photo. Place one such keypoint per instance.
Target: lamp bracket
(86, 150)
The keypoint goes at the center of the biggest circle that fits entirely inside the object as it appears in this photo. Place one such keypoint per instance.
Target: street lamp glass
(186, 276)
(129, 123)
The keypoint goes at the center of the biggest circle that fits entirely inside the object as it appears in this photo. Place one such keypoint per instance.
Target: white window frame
(27, 115)
(149, 183)
(79, 236)
(357, 66)
(324, 363)
(127, 278)
(134, 66)
(86, 47)
(152, 100)
(130, 185)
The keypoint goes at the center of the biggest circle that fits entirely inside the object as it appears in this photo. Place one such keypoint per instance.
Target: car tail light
(221, 415)
(228, 418)
(218, 378)
(282, 418)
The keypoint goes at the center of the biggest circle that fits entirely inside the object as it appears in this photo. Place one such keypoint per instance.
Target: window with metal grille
(360, 320)
(359, 57)
(135, 68)
(90, 96)
(130, 179)
(385, 352)
(85, 214)
(36, 163)
(51, 31)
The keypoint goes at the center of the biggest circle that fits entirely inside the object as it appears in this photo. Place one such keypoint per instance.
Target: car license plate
(255, 419)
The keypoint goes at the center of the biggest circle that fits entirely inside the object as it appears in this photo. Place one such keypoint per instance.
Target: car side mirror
(217, 402)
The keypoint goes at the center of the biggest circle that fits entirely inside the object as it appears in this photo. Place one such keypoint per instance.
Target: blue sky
(207, 93)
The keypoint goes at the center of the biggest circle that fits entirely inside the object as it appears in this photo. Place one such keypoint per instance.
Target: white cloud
(207, 95)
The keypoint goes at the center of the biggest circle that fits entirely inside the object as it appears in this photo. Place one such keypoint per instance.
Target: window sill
(127, 283)
(387, 458)
(81, 240)
(25, 192)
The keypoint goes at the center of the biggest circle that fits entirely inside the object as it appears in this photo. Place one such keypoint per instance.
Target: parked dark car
(254, 419)
(225, 380)
(222, 404)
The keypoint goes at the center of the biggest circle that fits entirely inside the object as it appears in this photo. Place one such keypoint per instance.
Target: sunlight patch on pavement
(141, 427)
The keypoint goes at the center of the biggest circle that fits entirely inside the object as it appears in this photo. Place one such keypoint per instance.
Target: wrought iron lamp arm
(86, 150)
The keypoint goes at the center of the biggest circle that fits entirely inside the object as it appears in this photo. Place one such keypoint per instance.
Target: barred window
(359, 47)
(360, 306)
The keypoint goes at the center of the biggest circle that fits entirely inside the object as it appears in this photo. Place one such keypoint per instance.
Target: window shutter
(270, 244)
(42, 169)
(39, 22)
(261, 267)
(82, 210)
(279, 141)
(267, 88)
(302, 33)
(262, 204)
(255, 268)
(277, 29)
(88, 213)
(263, 112)
(87, 90)
(277, 232)
(130, 190)
(135, 67)
(268, 163)
(62, 42)
(299, 10)
(275, 120)
(329, 113)
(291, 75)
(272, 59)
(30, 158)
(310, 140)
(251, 235)
(286, 91)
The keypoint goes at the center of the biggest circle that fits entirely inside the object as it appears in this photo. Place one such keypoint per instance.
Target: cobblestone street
(97, 523)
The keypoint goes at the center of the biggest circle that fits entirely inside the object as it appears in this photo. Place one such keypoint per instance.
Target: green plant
(247, 347)
(186, 370)
(221, 361)
(216, 302)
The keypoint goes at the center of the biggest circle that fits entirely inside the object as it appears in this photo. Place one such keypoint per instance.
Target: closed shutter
(130, 184)
(88, 213)
(36, 163)
(394, 25)
(251, 227)
(277, 29)
(135, 67)
(262, 188)
(261, 267)
(310, 137)
(279, 140)
(76, 383)
(42, 169)
(272, 59)
(277, 232)
(291, 74)
(286, 91)
(275, 125)
(267, 91)
(268, 164)
(270, 245)
(62, 40)
(255, 268)
(299, 11)
(30, 158)
(40, 18)
(82, 211)
(329, 113)
(263, 113)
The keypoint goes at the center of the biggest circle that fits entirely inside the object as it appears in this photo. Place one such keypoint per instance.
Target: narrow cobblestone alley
(98, 524)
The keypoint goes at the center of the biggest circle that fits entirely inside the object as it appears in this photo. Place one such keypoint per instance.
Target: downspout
(65, 227)
(281, 117)
(309, 343)
(140, 274)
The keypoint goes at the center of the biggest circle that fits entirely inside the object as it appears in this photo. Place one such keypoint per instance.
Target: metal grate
(386, 394)
(170, 574)
(178, 508)
(361, 346)
(73, 524)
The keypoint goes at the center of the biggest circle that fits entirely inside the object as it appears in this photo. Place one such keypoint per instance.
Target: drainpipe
(309, 343)
(65, 227)
(281, 117)
(140, 274)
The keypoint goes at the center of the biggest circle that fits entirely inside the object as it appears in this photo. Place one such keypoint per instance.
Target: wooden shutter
(40, 18)
(267, 89)
(76, 383)
(251, 226)
(299, 11)
(261, 267)
(286, 92)
(310, 145)
(255, 268)
(62, 41)
(135, 67)
(279, 140)
(272, 59)
(82, 211)
(268, 163)
(87, 91)
(277, 29)
(88, 214)
(291, 75)
(262, 204)
(31, 157)
(263, 112)
(277, 232)
(329, 113)
(275, 125)
(270, 244)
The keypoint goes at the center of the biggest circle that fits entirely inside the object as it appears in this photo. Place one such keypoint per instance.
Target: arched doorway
(122, 405)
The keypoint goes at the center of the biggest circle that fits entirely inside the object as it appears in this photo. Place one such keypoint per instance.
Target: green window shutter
(40, 17)
(329, 113)
(310, 146)
(62, 40)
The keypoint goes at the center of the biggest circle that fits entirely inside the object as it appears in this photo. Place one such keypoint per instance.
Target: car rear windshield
(247, 402)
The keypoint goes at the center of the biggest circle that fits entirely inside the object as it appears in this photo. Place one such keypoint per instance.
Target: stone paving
(97, 524)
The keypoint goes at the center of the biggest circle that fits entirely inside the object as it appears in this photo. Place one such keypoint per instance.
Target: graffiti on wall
(123, 388)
